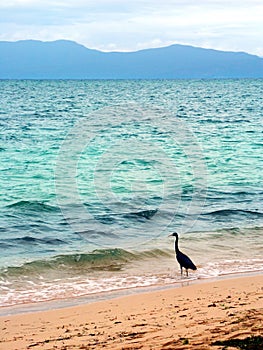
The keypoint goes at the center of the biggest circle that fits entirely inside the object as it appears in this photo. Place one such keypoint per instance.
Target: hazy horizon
(126, 51)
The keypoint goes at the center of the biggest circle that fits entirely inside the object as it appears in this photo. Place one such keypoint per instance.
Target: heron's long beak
(171, 235)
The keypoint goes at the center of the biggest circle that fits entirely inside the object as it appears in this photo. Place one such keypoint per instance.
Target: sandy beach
(189, 317)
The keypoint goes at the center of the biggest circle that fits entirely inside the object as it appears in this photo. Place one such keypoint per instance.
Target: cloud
(131, 25)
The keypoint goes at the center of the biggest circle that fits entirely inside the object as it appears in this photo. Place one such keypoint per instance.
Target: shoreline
(189, 317)
(42, 306)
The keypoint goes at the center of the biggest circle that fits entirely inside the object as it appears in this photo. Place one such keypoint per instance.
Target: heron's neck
(176, 245)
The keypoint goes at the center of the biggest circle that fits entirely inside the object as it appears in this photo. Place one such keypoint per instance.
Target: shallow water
(96, 174)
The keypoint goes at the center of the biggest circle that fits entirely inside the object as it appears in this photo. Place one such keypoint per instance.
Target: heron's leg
(187, 272)
(181, 270)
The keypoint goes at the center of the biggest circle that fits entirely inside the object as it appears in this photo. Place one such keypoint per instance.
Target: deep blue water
(95, 175)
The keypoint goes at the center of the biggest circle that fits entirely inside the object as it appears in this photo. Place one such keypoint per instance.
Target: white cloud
(131, 25)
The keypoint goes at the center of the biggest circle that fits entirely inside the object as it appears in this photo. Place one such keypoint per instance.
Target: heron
(183, 260)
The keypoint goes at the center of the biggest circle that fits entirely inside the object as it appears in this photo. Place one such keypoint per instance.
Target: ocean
(96, 174)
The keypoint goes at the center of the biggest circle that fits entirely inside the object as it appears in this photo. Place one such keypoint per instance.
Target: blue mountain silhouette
(64, 59)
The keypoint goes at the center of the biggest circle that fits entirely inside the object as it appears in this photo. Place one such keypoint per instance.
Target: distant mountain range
(63, 59)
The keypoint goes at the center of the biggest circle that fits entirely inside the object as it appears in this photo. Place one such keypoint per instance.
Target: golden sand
(189, 317)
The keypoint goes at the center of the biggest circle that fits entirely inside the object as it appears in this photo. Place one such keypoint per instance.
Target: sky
(115, 25)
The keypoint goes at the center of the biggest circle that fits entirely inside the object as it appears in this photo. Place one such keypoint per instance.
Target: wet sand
(190, 317)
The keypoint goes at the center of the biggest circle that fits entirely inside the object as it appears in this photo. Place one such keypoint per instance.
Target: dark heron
(182, 259)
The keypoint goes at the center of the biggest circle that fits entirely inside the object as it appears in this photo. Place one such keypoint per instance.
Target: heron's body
(183, 260)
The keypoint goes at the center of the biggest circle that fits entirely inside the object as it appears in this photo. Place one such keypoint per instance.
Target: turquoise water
(95, 175)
